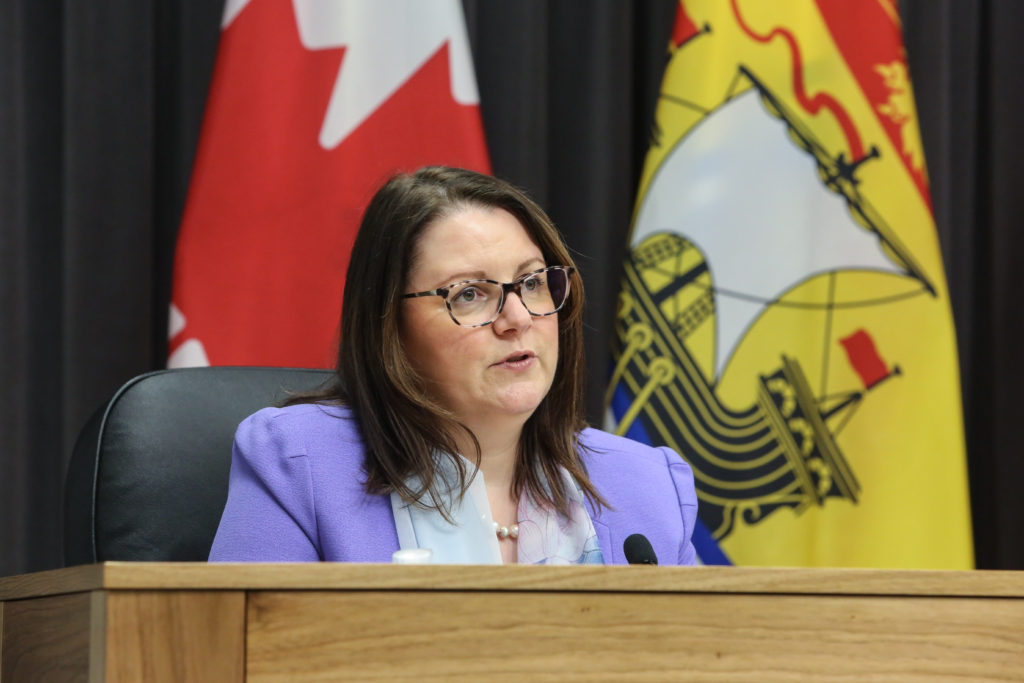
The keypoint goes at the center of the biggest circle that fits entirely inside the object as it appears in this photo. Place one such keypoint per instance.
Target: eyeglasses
(475, 303)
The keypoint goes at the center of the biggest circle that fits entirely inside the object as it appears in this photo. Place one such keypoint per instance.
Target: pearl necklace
(506, 531)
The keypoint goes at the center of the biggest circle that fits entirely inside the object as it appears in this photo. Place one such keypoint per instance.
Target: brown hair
(402, 427)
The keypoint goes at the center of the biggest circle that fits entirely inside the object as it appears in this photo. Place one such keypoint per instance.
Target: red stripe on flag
(868, 37)
(812, 103)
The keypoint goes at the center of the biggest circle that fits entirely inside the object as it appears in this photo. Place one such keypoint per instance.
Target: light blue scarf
(545, 536)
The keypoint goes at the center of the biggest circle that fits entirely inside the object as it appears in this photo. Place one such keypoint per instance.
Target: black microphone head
(638, 550)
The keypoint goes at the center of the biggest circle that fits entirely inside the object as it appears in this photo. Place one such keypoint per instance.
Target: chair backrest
(149, 473)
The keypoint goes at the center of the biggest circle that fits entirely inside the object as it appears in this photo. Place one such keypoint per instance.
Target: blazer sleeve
(682, 477)
(270, 513)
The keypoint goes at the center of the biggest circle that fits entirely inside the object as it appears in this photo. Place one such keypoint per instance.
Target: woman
(455, 419)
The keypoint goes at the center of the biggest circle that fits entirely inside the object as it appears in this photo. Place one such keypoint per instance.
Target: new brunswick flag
(784, 322)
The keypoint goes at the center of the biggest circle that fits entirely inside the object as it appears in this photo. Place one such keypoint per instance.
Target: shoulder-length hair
(401, 425)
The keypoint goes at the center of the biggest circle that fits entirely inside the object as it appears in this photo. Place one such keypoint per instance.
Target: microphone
(638, 550)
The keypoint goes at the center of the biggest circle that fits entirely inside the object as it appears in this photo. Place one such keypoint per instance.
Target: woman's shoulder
(616, 462)
(601, 446)
(307, 414)
(300, 429)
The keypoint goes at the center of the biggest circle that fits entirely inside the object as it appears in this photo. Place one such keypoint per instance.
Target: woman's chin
(517, 404)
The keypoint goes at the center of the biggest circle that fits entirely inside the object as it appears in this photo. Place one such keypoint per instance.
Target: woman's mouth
(520, 360)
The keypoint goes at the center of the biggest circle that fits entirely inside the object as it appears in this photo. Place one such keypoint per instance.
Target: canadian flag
(313, 104)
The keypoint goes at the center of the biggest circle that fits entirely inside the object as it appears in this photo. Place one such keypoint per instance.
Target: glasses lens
(546, 291)
(474, 302)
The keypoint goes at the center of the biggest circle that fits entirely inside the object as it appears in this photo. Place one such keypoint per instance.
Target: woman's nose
(513, 316)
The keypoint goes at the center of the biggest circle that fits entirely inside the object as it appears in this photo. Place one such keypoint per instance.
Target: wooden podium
(328, 622)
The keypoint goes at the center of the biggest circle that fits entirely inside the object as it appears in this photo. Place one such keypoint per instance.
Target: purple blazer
(296, 494)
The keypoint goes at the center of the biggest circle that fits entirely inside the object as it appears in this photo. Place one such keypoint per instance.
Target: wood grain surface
(280, 622)
(53, 582)
(175, 636)
(498, 636)
(338, 576)
(46, 639)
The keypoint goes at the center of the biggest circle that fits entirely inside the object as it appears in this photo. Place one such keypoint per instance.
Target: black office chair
(149, 473)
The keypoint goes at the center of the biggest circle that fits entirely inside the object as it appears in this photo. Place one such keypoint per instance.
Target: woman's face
(488, 374)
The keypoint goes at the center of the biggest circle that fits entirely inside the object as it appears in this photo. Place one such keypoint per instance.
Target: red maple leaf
(271, 215)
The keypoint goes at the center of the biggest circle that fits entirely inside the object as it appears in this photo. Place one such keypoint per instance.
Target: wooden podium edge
(52, 582)
(356, 577)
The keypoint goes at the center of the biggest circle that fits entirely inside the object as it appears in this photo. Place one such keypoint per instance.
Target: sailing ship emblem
(747, 213)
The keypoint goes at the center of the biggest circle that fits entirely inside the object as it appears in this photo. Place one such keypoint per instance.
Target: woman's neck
(499, 447)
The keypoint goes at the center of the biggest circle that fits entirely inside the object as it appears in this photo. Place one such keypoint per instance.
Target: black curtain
(100, 110)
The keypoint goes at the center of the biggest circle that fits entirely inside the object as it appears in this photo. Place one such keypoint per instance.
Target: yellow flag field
(784, 322)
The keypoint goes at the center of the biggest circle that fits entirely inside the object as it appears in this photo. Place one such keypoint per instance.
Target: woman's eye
(468, 295)
(532, 284)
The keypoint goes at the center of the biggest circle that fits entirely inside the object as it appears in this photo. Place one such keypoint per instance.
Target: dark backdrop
(100, 109)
